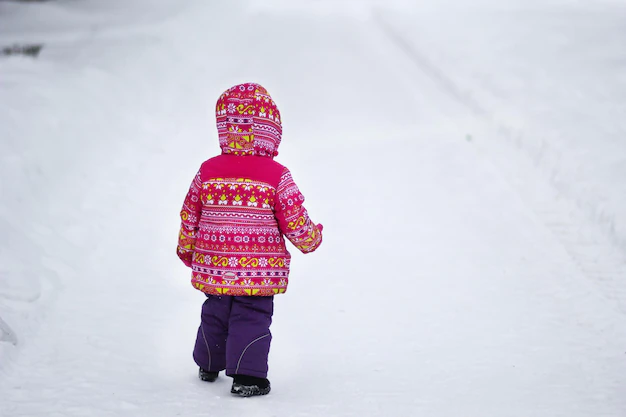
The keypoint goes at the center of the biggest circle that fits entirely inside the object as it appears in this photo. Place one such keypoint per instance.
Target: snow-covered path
(442, 288)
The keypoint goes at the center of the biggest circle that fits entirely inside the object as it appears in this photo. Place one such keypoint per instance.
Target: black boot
(207, 375)
(247, 386)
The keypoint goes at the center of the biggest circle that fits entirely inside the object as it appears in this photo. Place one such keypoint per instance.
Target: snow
(572, 70)
(467, 162)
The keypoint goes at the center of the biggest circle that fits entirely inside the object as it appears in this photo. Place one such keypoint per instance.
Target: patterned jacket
(242, 204)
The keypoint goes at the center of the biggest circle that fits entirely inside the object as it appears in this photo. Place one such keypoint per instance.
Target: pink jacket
(242, 204)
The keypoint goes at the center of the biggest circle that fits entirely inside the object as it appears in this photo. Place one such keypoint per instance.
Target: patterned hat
(248, 121)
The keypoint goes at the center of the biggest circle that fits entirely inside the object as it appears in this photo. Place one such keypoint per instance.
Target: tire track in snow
(431, 70)
(589, 239)
(6, 334)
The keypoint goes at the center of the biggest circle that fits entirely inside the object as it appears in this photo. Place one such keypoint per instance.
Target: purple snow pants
(234, 334)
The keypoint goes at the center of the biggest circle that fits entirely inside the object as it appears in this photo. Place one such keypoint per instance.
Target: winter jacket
(242, 204)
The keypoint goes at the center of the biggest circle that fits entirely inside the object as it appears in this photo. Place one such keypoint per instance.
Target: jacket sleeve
(293, 219)
(190, 216)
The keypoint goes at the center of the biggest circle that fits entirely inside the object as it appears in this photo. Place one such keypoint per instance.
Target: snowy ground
(468, 164)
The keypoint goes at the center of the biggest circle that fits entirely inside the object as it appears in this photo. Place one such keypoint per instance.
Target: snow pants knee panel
(210, 349)
(249, 336)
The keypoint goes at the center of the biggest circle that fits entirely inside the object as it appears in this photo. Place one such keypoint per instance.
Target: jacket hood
(248, 121)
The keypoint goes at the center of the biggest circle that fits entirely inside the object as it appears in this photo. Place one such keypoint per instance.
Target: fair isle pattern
(233, 229)
(231, 234)
(297, 225)
(238, 247)
(189, 225)
(248, 121)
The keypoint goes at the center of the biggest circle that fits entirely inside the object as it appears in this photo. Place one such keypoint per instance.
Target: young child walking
(239, 209)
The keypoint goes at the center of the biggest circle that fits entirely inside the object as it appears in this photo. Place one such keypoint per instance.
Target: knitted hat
(248, 121)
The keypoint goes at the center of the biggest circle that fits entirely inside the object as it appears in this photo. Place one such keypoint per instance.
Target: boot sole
(249, 391)
(205, 376)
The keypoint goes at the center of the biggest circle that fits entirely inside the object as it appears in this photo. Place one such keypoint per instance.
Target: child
(239, 206)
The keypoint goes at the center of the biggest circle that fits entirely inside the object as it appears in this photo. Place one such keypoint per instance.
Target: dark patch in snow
(28, 50)
(6, 334)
